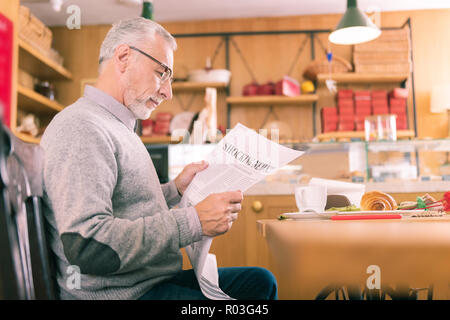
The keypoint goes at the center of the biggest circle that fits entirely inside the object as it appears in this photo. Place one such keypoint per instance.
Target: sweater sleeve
(80, 174)
(171, 193)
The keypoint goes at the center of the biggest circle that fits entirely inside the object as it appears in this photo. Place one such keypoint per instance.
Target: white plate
(329, 214)
(309, 215)
(405, 212)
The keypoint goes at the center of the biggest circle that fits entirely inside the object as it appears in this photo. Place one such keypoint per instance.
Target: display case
(357, 161)
(378, 161)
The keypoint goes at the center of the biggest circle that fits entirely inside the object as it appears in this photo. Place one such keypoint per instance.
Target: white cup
(311, 198)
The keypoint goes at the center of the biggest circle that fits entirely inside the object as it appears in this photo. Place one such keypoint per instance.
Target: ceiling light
(355, 27)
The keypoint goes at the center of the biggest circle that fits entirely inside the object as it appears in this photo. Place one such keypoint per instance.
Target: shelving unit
(159, 140)
(352, 77)
(32, 61)
(313, 101)
(197, 86)
(348, 135)
(32, 101)
(273, 100)
(38, 65)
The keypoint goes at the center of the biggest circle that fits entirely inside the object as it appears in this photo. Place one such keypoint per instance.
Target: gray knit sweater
(108, 214)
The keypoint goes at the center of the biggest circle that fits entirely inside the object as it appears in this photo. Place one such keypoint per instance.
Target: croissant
(377, 200)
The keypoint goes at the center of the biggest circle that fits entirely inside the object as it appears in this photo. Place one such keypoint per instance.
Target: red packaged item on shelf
(345, 103)
(266, 89)
(163, 116)
(379, 94)
(250, 89)
(362, 95)
(363, 103)
(345, 93)
(329, 110)
(400, 102)
(346, 110)
(402, 122)
(380, 110)
(361, 117)
(359, 126)
(329, 127)
(399, 93)
(398, 110)
(346, 126)
(346, 117)
(147, 127)
(363, 112)
(287, 87)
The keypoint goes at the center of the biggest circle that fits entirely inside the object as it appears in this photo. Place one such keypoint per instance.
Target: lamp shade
(355, 27)
(440, 98)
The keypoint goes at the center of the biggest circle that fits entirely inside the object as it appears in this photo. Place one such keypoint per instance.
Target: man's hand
(185, 177)
(218, 211)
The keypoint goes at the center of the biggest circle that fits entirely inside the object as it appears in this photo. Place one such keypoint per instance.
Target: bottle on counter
(147, 9)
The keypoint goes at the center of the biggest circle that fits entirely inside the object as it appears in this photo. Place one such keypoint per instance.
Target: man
(107, 212)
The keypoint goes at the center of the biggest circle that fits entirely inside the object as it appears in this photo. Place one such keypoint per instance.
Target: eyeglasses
(166, 75)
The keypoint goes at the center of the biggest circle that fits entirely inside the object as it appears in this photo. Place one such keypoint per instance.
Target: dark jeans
(242, 283)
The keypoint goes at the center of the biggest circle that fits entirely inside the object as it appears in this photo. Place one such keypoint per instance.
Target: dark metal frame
(311, 32)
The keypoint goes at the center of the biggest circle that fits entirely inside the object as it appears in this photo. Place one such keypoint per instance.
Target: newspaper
(241, 159)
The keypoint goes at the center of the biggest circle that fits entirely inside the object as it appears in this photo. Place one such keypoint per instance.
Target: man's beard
(140, 110)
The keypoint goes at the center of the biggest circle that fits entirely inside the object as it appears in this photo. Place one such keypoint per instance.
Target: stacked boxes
(161, 125)
(389, 53)
(397, 106)
(379, 102)
(363, 108)
(329, 118)
(354, 106)
(346, 112)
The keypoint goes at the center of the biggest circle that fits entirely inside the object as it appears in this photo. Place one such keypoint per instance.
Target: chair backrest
(30, 266)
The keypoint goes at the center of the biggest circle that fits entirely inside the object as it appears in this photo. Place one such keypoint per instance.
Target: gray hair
(131, 32)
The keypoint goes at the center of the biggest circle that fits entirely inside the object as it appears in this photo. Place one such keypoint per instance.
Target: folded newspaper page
(241, 159)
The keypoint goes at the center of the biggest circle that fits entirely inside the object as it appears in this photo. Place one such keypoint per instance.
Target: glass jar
(380, 127)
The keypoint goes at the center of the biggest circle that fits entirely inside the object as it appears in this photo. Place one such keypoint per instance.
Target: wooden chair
(28, 272)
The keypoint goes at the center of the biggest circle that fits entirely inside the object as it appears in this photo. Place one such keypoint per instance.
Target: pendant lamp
(355, 27)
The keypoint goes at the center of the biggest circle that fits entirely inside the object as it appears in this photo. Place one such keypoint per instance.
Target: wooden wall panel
(270, 58)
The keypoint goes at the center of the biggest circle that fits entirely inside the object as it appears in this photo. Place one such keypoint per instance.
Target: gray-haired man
(107, 212)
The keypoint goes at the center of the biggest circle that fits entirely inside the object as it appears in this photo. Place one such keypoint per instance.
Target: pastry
(377, 200)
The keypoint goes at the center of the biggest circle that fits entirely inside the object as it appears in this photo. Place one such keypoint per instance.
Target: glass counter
(356, 161)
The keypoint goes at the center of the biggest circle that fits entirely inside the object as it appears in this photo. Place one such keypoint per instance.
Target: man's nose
(166, 89)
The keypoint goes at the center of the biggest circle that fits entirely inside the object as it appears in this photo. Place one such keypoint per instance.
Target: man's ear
(122, 57)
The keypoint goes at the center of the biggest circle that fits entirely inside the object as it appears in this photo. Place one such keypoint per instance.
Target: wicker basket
(33, 30)
(338, 65)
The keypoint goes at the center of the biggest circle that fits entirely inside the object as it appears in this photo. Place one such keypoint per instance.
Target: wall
(270, 57)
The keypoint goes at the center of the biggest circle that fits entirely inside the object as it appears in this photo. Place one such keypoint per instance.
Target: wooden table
(312, 254)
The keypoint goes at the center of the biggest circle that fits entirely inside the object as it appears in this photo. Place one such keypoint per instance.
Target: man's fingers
(235, 196)
(235, 207)
(199, 166)
(233, 216)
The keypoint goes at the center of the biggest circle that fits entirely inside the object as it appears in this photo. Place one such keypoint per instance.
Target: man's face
(144, 90)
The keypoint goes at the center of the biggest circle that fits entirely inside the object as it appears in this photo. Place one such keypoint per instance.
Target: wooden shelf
(159, 140)
(352, 77)
(32, 101)
(27, 137)
(347, 135)
(197, 86)
(273, 99)
(40, 66)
